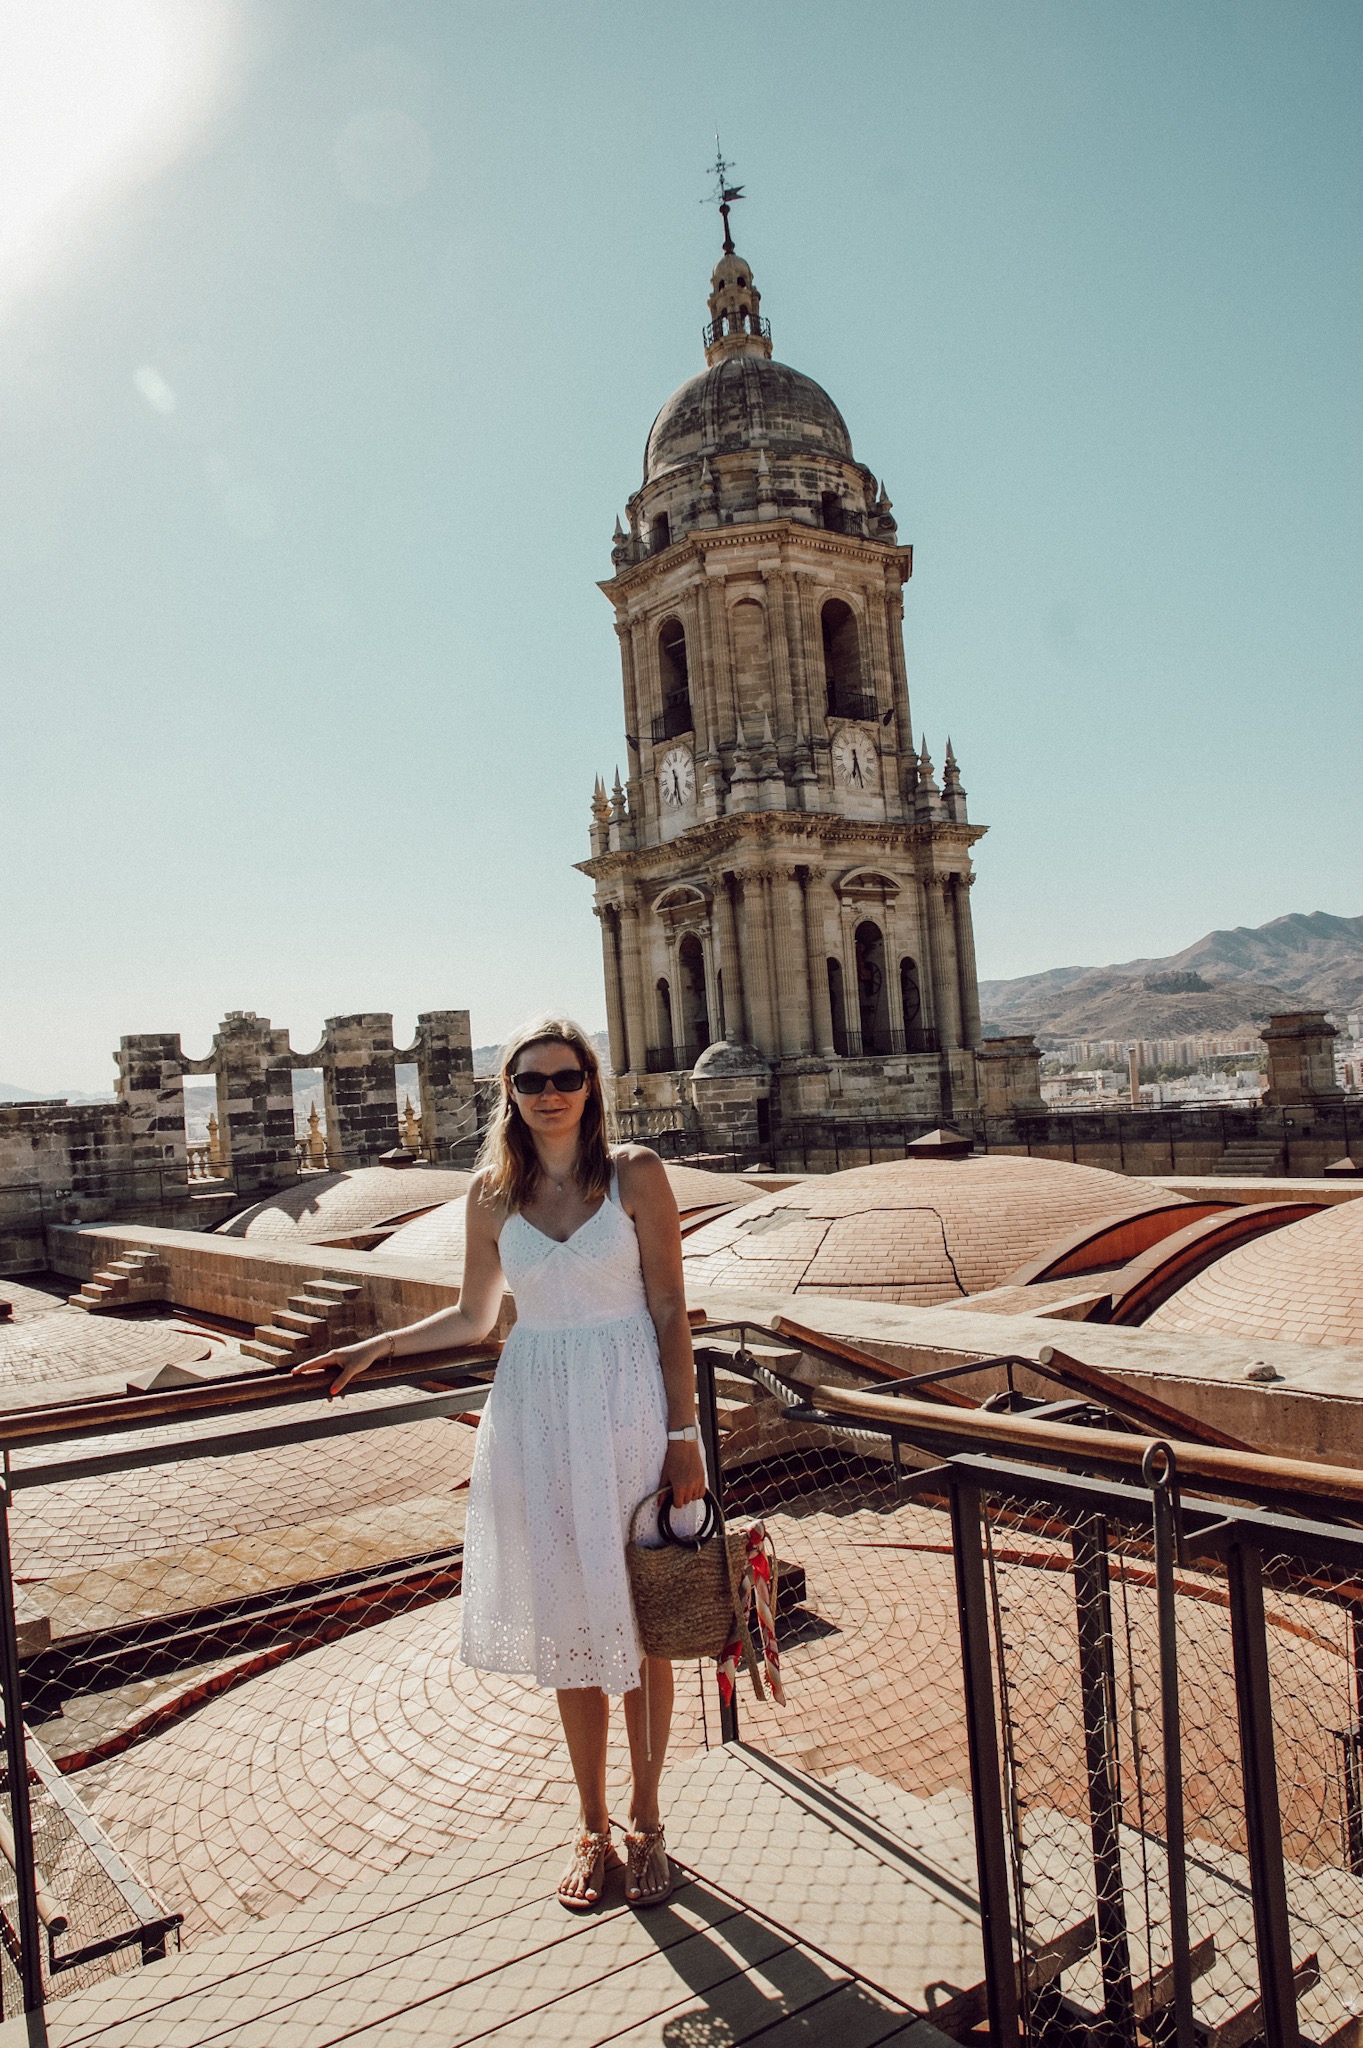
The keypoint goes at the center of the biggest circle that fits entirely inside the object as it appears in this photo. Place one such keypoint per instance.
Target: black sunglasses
(566, 1081)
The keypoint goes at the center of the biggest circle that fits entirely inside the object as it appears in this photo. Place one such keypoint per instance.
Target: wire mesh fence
(1169, 1722)
(162, 1573)
(1103, 1751)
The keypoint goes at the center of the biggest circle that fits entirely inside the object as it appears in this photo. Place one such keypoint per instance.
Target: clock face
(676, 779)
(854, 761)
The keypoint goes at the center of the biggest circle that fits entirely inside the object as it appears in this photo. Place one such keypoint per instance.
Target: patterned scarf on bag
(756, 1591)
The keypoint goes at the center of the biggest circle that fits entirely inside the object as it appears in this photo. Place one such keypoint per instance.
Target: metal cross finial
(725, 195)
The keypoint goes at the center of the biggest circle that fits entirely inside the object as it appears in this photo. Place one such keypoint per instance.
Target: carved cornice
(783, 533)
(761, 834)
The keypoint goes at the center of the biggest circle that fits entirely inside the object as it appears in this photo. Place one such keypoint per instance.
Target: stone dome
(745, 402)
(913, 1231)
(1303, 1284)
(723, 1057)
(322, 1207)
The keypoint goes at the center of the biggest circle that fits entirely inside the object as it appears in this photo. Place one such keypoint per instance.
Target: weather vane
(725, 195)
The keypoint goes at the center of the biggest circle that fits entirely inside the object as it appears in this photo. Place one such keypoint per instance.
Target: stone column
(922, 951)
(946, 995)
(851, 987)
(792, 962)
(254, 1066)
(707, 949)
(151, 1070)
(641, 695)
(894, 994)
(444, 1058)
(615, 998)
(756, 950)
(361, 1093)
(676, 1035)
(971, 1033)
(797, 655)
(894, 621)
(816, 950)
(787, 721)
(709, 731)
(636, 1040)
(725, 700)
(629, 670)
(735, 1019)
(811, 633)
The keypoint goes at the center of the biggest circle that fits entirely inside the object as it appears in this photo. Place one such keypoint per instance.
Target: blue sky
(329, 340)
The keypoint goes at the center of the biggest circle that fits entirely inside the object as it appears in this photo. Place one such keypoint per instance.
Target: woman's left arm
(647, 1197)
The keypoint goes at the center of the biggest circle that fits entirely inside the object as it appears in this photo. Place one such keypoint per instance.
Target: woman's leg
(586, 1717)
(585, 1713)
(648, 1718)
(647, 1736)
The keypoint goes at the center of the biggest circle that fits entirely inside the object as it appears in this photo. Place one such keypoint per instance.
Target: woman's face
(551, 1113)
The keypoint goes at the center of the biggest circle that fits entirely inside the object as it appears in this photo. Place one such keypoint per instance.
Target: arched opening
(675, 675)
(872, 997)
(837, 1006)
(831, 513)
(842, 660)
(911, 997)
(695, 1012)
(659, 533)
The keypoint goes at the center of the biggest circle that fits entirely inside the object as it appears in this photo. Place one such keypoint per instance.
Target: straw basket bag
(686, 1592)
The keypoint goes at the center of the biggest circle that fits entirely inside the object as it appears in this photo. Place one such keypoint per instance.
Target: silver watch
(689, 1435)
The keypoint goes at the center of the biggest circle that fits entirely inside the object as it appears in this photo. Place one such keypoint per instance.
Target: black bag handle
(710, 1521)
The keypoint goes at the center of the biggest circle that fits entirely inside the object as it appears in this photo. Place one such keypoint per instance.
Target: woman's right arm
(480, 1299)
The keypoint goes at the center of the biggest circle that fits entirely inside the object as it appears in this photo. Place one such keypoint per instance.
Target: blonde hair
(508, 1160)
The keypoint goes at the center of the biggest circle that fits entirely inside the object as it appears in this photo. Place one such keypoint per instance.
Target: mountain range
(1227, 982)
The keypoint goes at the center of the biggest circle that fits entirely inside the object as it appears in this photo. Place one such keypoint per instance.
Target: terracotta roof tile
(1304, 1283)
(912, 1230)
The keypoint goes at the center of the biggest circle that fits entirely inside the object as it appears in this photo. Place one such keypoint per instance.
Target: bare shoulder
(643, 1177)
(483, 1208)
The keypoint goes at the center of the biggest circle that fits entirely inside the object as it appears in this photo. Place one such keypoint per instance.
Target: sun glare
(95, 95)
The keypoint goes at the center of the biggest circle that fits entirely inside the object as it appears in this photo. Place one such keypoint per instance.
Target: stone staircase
(137, 1275)
(1251, 1159)
(321, 1316)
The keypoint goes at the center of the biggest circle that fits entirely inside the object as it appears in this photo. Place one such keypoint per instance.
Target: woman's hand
(684, 1472)
(348, 1362)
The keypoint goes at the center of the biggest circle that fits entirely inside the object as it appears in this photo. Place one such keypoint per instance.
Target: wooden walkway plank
(465, 1987)
(524, 2009)
(790, 1919)
(440, 1894)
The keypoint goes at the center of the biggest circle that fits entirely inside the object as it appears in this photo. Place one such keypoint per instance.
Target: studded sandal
(593, 1856)
(648, 1873)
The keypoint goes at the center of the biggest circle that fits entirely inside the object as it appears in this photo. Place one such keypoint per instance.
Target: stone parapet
(246, 1282)
(1009, 1074)
(1301, 1062)
(1315, 1410)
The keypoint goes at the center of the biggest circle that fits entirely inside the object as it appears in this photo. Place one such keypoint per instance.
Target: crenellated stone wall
(75, 1163)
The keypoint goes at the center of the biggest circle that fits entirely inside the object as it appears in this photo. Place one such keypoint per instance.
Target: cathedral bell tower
(783, 887)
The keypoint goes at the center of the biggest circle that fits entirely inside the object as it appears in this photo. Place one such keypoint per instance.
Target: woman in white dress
(594, 1407)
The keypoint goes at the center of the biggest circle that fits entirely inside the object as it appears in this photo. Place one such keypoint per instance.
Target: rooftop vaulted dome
(914, 1230)
(742, 402)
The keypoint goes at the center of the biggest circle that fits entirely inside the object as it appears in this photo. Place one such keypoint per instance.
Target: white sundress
(573, 1436)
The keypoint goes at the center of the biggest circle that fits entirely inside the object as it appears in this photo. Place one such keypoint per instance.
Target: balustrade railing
(1103, 1691)
(677, 720)
(715, 330)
